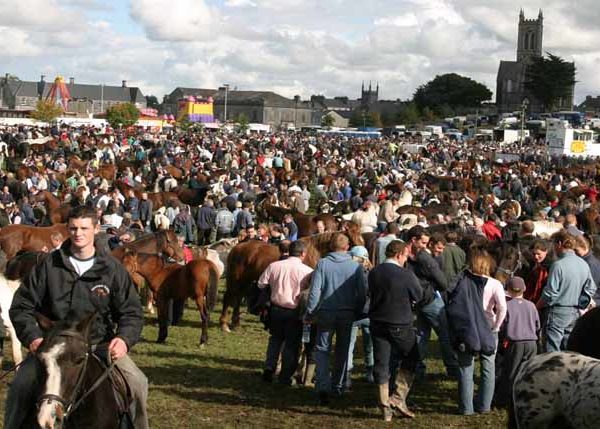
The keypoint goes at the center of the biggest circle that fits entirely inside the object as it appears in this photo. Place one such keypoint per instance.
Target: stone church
(510, 83)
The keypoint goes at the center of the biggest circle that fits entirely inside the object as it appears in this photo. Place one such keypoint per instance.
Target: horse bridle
(518, 265)
(68, 406)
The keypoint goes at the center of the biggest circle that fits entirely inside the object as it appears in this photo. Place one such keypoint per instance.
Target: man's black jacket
(54, 289)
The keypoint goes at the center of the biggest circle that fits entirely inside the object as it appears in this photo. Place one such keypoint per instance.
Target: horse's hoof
(225, 329)
(161, 340)
(201, 346)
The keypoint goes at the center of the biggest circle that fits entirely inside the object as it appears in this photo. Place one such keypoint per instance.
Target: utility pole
(102, 98)
(226, 85)
(523, 110)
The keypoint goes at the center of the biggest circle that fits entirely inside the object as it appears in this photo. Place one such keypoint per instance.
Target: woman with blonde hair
(476, 309)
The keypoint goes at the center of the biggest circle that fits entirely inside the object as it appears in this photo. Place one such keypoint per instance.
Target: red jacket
(491, 231)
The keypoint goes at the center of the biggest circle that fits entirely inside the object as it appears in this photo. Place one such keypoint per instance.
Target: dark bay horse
(198, 279)
(14, 238)
(66, 357)
(247, 261)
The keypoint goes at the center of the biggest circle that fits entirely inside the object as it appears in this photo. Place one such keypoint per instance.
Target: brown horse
(248, 260)
(192, 197)
(107, 171)
(159, 199)
(198, 279)
(57, 211)
(163, 242)
(14, 238)
(177, 173)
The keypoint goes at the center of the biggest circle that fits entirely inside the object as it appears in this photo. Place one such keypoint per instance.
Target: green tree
(242, 123)
(327, 120)
(452, 90)
(428, 114)
(410, 115)
(550, 79)
(152, 101)
(46, 111)
(122, 115)
(375, 120)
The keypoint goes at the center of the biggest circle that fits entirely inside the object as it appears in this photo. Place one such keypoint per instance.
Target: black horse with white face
(76, 391)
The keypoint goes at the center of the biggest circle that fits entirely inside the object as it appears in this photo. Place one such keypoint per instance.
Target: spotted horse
(557, 390)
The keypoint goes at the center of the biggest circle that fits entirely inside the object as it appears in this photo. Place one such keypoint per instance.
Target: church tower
(369, 96)
(529, 41)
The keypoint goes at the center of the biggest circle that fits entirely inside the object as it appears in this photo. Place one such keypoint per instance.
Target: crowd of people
(417, 274)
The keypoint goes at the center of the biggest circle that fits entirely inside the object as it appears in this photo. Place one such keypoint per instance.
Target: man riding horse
(78, 279)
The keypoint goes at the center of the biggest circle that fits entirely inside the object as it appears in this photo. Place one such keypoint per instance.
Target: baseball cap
(516, 284)
(359, 252)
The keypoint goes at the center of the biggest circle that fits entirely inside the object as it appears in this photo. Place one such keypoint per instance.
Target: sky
(291, 47)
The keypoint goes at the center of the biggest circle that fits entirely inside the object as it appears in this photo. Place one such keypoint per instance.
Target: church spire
(521, 15)
(540, 15)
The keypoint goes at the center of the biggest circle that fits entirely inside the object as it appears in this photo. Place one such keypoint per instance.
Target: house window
(509, 86)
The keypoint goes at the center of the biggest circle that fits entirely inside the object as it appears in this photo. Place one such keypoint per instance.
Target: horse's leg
(201, 304)
(162, 311)
(223, 320)
(16, 345)
(235, 319)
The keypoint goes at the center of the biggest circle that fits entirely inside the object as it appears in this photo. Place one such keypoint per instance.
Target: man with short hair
(205, 222)
(224, 221)
(431, 312)
(78, 279)
(337, 296)
(146, 209)
(394, 292)
(286, 278)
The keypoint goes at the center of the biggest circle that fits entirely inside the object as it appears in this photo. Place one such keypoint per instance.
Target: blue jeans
(364, 325)
(433, 315)
(466, 385)
(329, 324)
(559, 322)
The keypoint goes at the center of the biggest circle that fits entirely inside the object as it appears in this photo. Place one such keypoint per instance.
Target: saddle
(121, 391)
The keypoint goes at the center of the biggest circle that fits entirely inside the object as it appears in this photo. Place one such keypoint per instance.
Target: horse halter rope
(518, 265)
(67, 405)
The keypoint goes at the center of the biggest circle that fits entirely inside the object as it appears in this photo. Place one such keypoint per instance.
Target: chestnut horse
(57, 212)
(14, 238)
(248, 260)
(198, 279)
(163, 242)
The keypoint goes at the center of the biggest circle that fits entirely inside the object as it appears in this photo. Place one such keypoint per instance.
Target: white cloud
(185, 20)
(290, 46)
(240, 3)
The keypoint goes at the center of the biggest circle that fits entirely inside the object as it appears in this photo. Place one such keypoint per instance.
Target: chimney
(124, 84)
(42, 78)
(71, 81)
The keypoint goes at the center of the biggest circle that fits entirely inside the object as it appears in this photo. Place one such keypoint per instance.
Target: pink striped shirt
(286, 278)
(494, 303)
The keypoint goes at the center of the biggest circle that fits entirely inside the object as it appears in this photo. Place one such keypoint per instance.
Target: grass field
(220, 387)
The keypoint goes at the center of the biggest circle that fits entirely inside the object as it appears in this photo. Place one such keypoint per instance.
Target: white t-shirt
(81, 265)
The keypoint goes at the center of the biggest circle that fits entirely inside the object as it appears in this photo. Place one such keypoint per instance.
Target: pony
(14, 238)
(71, 372)
(556, 390)
(7, 291)
(197, 279)
(57, 212)
(160, 242)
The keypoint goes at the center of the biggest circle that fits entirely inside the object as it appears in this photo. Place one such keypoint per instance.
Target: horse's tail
(212, 292)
